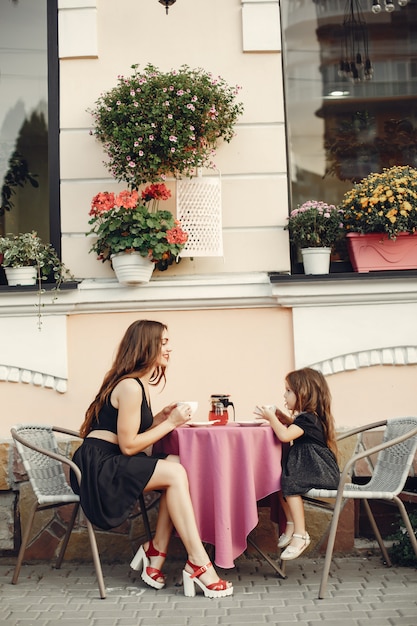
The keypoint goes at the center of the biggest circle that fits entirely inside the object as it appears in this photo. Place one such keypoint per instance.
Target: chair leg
(25, 540)
(96, 559)
(330, 547)
(407, 523)
(377, 533)
(67, 536)
(145, 517)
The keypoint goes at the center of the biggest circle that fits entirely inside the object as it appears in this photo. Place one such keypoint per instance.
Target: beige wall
(252, 166)
(239, 351)
(216, 351)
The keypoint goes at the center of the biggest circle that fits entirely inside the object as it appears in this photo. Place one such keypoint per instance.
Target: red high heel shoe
(218, 589)
(149, 574)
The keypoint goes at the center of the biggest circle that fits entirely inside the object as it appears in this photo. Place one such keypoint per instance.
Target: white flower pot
(132, 268)
(20, 275)
(316, 260)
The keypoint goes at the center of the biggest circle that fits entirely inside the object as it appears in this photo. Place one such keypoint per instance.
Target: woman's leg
(172, 477)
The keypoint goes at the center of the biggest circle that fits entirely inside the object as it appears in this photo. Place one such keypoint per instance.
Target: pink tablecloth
(229, 469)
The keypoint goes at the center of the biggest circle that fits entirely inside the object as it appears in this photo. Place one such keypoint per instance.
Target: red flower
(127, 199)
(157, 191)
(102, 202)
(176, 235)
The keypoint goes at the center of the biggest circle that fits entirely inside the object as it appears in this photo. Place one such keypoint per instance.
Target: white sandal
(285, 539)
(293, 552)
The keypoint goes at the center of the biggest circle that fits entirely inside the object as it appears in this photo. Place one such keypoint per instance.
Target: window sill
(341, 288)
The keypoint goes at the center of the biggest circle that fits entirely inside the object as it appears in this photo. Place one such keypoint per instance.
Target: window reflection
(23, 117)
(339, 130)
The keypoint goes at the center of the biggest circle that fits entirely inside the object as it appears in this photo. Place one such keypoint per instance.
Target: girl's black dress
(111, 481)
(309, 463)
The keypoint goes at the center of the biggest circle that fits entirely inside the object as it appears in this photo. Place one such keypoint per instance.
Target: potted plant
(379, 216)
(153, 124)
(27, 250)
(130, 228)
(27, 260)
(315, 227)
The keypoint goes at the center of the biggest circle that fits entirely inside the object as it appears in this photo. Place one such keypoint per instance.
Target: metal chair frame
(395, 457)
(44, 465)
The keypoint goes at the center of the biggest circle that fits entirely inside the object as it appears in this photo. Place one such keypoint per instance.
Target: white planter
(132, 268)
(316, 260)
(20, 276)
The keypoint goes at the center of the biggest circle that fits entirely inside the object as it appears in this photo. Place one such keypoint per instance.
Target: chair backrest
(393, 464)
(37, 447)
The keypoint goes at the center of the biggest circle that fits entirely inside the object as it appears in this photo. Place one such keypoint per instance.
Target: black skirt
(111, 481)
(309, 466)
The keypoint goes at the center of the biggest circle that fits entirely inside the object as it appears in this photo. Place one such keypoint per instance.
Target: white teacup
(258, 411)
(193, 406)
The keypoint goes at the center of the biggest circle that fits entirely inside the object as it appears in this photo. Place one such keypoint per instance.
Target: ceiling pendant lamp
(167, 4)
(388, 4)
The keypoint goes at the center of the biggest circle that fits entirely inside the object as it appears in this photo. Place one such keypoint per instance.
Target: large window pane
(339, 128)
(24, 180)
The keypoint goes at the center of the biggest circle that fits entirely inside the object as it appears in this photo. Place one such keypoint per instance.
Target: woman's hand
(177, 413)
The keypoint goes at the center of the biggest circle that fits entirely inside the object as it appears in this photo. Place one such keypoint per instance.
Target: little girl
(311, 459)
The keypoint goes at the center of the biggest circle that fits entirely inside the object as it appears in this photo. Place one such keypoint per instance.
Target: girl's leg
(285, 537)
(296, 509)
(300, 539)
(173, 479)
(287, 512)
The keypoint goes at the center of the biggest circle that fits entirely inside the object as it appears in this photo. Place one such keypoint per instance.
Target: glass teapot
(219, 403)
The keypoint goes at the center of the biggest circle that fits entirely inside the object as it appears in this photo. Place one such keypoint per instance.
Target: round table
(229, 469)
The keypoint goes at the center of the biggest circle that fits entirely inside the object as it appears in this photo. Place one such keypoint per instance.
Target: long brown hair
(313, 396)
(136, 355)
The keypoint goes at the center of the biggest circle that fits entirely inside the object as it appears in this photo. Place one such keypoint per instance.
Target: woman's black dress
(111, 481)
(309, 463)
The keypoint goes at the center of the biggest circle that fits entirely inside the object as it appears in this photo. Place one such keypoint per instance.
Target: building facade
(238, 322)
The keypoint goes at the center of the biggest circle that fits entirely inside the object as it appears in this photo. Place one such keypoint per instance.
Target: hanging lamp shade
(167, 4)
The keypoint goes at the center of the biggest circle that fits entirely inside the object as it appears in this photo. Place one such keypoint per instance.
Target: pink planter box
(375, 252)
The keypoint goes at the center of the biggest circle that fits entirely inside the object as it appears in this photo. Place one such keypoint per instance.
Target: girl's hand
(266, 412)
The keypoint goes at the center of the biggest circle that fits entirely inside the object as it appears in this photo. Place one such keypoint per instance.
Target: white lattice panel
(199, 210)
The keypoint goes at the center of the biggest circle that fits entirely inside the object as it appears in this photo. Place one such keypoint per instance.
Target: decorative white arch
(32, 356)
(401, 355)
(12, 374)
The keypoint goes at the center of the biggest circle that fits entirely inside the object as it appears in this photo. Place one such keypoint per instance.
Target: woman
(118, 428)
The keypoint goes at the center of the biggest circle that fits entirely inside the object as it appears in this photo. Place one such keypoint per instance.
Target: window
(340, 129)
(29, 168)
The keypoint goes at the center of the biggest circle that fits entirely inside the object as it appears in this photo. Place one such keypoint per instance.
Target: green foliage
(401, 552)
(382, 203)
(28, 249)
(154, 124)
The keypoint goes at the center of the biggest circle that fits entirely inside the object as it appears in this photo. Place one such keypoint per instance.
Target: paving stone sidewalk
(361, 592)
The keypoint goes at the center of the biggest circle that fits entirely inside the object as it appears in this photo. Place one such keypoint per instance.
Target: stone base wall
(17, 500)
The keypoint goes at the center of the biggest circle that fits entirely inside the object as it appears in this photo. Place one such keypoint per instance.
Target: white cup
(193, 406)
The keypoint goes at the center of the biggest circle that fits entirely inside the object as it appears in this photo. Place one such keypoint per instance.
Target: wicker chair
(44, 465)
(392, 467)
